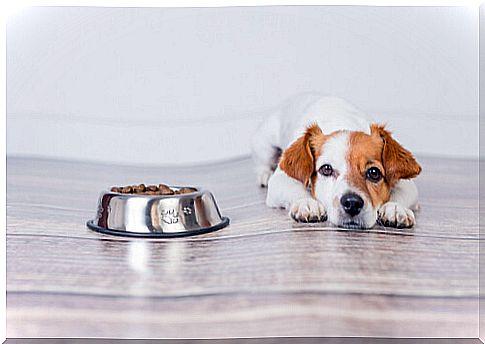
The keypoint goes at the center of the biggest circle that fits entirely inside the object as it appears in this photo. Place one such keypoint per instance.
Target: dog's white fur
(331, 114)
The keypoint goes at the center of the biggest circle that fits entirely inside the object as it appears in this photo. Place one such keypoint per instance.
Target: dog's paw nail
(314, 219)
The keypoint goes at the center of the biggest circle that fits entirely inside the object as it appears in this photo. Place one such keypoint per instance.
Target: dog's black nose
(352, 203)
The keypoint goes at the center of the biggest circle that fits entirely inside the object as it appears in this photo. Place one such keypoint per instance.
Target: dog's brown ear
(298, 160)
(398, 162)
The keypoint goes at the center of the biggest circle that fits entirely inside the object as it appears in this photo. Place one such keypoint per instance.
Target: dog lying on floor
(322, 160)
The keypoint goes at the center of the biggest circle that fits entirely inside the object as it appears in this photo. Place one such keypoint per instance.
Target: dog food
(142, 189)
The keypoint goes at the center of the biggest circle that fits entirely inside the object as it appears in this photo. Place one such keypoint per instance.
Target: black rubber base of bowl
(91, 225)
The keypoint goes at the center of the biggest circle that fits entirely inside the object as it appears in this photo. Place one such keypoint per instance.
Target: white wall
(165, 85)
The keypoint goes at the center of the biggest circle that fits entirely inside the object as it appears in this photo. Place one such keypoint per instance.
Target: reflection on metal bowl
(157, 216)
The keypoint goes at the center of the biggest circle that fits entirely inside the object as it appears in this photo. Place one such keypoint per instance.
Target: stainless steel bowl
(157, 216)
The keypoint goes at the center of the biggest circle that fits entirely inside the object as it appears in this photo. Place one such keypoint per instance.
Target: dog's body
(334, 165)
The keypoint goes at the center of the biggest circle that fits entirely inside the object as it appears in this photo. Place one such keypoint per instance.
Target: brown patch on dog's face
(365, 152)
(376, 162)
(298, 160)
(398, 161)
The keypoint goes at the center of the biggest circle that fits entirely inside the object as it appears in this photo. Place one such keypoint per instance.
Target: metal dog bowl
(157, 216)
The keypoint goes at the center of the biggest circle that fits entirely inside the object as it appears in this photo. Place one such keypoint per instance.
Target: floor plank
(241, 315)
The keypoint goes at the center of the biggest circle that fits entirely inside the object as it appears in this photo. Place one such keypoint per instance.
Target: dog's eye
(374, 174)
(326, 170)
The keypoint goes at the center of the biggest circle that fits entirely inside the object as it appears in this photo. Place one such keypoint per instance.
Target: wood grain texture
(264, 275)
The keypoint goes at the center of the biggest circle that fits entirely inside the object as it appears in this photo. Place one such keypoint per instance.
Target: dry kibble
(165, 189)
(139, 188)
(186, 190)
(152, 188)
(126, 189)
(151, 193)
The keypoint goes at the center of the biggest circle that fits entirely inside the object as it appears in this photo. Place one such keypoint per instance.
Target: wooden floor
(264, 275)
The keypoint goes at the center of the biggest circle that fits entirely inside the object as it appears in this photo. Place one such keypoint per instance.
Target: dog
(322, 159)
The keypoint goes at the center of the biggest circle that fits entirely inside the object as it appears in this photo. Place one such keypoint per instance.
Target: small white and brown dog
(322, 160)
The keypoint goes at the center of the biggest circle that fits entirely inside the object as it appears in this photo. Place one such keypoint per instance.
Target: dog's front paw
(392, 214)
(308, 210)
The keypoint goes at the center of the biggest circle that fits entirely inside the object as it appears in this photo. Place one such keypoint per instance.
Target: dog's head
(350, 172)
